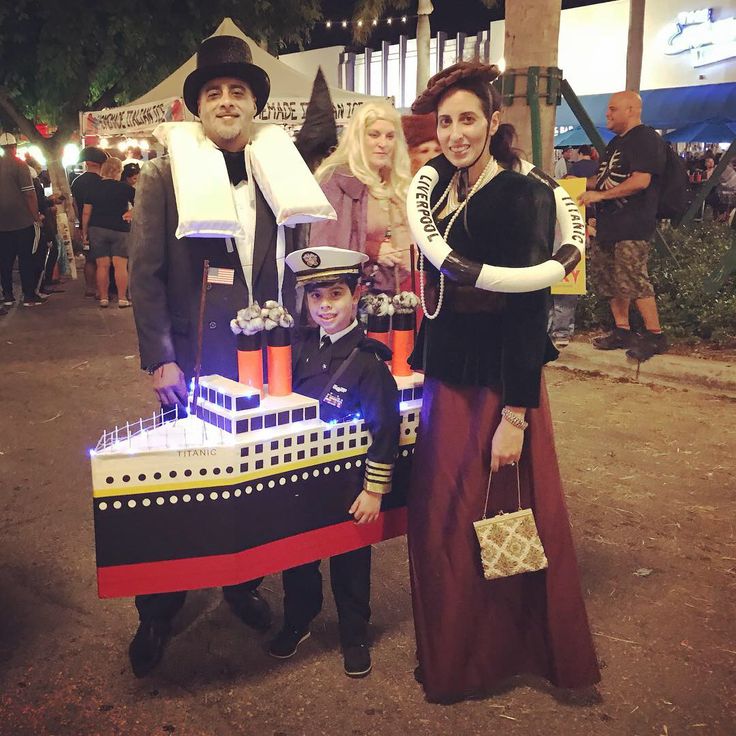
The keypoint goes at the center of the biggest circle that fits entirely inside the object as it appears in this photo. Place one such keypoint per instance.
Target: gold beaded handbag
(509, 542)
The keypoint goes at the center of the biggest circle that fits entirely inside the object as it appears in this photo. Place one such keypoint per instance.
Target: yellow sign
(574, 282)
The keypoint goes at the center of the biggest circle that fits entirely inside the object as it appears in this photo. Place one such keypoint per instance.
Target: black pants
(164, 606)
(350, 575)
(51, 262)
(18, 244)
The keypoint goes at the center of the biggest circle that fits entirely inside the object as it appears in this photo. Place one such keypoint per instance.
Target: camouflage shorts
(620, 269)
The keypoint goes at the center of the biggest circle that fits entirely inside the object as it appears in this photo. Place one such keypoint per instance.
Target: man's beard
(217, 128)
(229, 132)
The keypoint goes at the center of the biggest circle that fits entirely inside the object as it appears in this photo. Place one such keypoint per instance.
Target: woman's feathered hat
(447, 78)
(226, 56)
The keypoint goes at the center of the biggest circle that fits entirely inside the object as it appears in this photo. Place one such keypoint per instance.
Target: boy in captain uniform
(339, 365)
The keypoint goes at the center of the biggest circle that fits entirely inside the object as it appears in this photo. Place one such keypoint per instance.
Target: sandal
(104, 303)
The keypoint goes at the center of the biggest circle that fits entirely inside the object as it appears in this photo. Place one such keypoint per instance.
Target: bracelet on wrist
(515, 420)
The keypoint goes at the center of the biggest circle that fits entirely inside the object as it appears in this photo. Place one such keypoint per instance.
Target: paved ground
(651, 487)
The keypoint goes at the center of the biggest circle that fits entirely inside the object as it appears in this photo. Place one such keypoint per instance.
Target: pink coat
(349, 197)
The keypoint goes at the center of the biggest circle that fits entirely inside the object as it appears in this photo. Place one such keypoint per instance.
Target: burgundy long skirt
(472, 633)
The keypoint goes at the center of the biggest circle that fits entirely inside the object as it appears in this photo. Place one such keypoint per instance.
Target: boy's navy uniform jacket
(365, 387)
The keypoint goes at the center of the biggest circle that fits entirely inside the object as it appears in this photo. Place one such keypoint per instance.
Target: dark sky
(451, 16)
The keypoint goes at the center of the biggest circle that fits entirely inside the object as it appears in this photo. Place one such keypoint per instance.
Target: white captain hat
(324, 263)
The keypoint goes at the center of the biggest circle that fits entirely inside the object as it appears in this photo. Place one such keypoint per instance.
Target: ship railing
(126, 432)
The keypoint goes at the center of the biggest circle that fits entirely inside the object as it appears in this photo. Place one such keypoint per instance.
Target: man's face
(226, 109)
(419, 155)
(332, 307)
(618, 114)
(567, 154)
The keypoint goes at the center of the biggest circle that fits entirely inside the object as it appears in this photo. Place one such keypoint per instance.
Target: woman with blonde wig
(366, 181)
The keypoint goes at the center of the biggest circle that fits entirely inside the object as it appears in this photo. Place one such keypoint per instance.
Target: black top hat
(226, 56)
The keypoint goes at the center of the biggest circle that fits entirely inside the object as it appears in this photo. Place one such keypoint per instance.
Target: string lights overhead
(375, 22)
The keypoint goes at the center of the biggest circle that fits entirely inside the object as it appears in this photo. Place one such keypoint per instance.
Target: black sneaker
(357, 660)
(286, 642)
(41, 296)
(147, 647)
(8, 301)
(34, 301)
(615, 340)
(647, 345)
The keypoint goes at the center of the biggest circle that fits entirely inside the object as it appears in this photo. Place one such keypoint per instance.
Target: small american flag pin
(221, 276)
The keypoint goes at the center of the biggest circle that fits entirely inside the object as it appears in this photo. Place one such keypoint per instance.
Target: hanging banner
(133, 118)
(292, 111)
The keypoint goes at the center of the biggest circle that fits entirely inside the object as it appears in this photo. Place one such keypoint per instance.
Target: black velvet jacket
(483, 338)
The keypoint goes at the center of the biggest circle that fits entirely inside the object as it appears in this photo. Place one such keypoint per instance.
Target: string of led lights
(363, 22)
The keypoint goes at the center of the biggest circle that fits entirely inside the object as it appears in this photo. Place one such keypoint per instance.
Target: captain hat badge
(324, 263)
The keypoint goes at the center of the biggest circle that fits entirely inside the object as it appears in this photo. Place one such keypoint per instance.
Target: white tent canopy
(287, 105)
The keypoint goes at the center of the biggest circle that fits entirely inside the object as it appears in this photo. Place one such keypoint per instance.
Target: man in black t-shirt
(93, 158)
(626, 191)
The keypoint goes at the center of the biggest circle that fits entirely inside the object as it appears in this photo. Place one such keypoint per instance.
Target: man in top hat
(82, 187)
(20, 222)
(226, 91)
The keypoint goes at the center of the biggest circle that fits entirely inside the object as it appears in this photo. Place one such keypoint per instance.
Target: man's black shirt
(633, 217)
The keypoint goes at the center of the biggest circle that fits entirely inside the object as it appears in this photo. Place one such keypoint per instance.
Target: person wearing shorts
(106, 227)
(626, 192)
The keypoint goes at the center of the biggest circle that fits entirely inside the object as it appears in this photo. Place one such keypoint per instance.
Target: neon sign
(707, 40)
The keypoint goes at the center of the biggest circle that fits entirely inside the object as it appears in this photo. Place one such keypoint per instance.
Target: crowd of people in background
(29, 229)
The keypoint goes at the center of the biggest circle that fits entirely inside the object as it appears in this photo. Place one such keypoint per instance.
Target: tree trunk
(636, 44)
(423, 38)
(532, 37)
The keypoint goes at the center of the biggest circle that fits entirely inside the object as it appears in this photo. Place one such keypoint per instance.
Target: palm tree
(532, 36)
(635, 45)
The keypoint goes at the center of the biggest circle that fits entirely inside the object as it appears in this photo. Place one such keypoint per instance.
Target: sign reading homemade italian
(133, 118)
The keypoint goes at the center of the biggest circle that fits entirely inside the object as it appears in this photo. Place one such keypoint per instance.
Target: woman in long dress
(485, 408)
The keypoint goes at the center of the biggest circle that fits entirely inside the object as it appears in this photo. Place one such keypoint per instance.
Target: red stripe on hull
(212, 571)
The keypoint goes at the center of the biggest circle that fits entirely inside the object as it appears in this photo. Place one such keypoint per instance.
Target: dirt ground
(651, 483)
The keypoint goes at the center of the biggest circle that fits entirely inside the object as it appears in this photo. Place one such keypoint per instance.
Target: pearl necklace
(492, 168)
